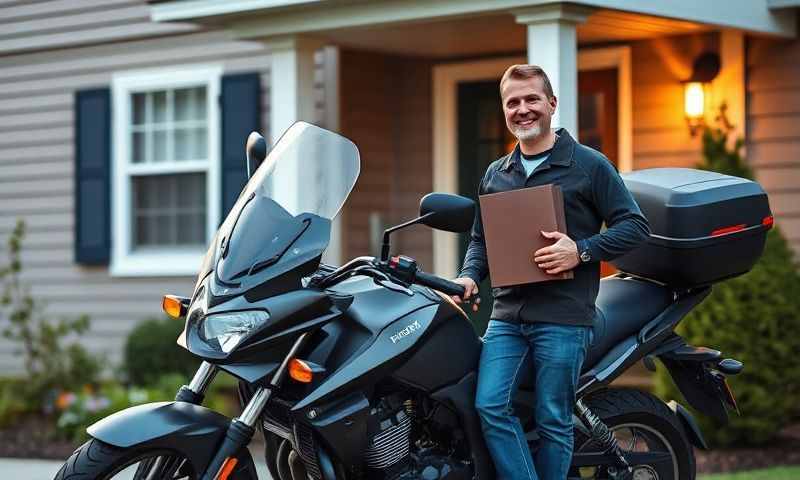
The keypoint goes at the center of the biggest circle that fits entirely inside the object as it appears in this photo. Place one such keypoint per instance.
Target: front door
(598, 121)
(482, 138)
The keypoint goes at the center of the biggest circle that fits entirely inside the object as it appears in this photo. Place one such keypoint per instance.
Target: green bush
(151, 352)
(51, 364)
(753, 318)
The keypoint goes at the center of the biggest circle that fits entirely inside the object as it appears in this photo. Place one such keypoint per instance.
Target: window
(165, 171)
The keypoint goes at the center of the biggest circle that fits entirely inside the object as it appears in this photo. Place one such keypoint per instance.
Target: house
(115, 150)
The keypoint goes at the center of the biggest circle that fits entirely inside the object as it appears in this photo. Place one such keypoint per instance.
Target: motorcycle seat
(623, 307)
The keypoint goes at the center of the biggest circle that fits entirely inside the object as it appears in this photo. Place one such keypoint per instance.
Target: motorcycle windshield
(308, 173)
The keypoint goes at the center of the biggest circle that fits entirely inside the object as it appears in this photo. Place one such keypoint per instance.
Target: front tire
(632, 413)
(97, 460)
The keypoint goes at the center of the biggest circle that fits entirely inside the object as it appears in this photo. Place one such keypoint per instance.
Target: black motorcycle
(368, 370)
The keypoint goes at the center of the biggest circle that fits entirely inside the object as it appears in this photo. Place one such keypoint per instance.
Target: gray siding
(48, 50)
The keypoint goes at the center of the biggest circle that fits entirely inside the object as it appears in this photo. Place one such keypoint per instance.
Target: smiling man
(544, 329)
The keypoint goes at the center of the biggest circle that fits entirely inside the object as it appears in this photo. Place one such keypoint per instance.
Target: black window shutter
(241, 114)
(93, 176)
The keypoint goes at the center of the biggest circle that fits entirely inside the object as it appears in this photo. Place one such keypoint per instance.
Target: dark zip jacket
(593, 194)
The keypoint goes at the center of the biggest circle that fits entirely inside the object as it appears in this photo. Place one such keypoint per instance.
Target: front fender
(192, 430)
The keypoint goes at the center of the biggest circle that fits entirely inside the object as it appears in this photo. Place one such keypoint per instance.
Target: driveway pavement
(27, 469)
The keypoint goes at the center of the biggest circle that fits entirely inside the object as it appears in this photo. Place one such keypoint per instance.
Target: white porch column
(291, 89)
(553, 45)
(729, 86)
(291, 98)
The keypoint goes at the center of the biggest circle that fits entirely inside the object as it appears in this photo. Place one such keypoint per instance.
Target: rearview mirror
(256, 152)
(448, 212)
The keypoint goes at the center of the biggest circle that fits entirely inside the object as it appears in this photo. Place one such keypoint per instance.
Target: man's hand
(470, 290)
(558, 257)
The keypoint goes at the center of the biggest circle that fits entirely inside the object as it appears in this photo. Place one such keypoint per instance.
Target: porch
(616, 67)
(416, 84)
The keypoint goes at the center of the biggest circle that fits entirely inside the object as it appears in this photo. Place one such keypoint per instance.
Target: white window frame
(176, 261)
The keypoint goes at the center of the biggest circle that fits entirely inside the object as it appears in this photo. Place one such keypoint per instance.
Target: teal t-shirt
(530, 162)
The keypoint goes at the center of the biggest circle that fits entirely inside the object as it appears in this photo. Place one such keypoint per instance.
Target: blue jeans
(557, 353)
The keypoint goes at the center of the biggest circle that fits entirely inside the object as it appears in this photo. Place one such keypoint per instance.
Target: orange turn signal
(173, 306)
(227, 468)
(300, 371)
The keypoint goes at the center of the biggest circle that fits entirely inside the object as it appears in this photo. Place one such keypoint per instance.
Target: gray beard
(525, 134)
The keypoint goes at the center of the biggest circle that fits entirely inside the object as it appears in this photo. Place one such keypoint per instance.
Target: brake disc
(644, 472)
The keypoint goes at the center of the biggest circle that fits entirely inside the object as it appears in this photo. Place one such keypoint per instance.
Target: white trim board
(446, 78)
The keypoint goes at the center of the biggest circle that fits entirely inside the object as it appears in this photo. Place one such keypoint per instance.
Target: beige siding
(37, 87)
(773, 135)
(413, 166)
(385, 109)
(366, 118)
(660, 135)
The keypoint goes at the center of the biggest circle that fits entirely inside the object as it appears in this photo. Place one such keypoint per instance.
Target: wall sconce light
(695, 90)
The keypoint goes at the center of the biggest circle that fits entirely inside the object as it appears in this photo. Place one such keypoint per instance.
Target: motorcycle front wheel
(97, 460)
(641, 423)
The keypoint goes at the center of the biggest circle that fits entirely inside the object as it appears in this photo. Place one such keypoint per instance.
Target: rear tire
(636, 411)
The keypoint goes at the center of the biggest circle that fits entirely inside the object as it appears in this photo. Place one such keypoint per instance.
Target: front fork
(241, 429)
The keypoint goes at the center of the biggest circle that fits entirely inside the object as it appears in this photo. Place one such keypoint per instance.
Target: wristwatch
(583, 252)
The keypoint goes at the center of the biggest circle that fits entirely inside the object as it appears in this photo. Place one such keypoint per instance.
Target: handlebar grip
(438, 283)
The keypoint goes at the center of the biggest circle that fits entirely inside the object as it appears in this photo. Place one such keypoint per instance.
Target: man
(546, 325)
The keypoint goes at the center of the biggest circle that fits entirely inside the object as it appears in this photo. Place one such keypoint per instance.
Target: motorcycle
(368, 370)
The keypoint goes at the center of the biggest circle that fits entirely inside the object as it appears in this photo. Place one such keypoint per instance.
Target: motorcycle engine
(392, 455)
(389, 446)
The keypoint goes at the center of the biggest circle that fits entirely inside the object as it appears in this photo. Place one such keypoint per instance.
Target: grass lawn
(774, 473)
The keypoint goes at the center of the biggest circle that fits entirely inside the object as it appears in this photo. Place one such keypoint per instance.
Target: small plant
(51, 364)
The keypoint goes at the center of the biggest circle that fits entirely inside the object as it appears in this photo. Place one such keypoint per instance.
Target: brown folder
(512, 226)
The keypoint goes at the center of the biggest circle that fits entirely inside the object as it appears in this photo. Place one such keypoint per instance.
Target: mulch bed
(784, 450)
(32, 437)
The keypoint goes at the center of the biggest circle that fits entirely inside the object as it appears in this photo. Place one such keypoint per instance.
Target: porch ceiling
(493, 34)
(270, 18)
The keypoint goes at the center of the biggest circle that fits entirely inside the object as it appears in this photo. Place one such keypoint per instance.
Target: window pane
(190, 192)
(200, 103)
(169, 210)
(140, 231)
(183, 144)
(191, 144)
(138, 108)
(159, 107)
(160, 146)
(138, 147)
(200, 143)
(190, 229)
(190, 104)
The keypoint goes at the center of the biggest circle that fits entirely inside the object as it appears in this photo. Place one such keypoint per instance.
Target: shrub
(753, 318)
(51, 365)
(151, 352)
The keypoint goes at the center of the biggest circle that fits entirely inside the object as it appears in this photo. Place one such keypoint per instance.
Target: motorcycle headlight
(229, 329)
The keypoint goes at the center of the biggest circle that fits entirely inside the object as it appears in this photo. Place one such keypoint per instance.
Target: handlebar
(438, 283)
(403, 268)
